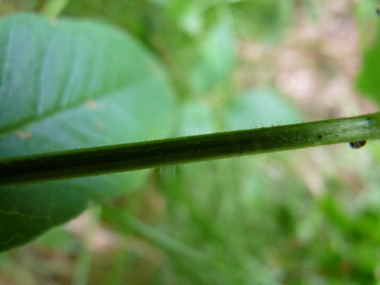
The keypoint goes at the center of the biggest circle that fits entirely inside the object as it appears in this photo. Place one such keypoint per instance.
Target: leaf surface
(263, 107)
(368, 79)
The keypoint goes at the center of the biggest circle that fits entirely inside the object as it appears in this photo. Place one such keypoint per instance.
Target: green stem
(83, 263)
(126, 223)
(142, 155)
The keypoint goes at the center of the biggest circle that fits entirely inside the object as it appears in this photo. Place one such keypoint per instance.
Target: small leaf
(368, 79)
(263, 107)
(216, 59)
(65, 85)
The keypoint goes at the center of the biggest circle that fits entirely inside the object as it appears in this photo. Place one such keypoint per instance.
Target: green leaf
(196, 118)
(368, 79)
(216, 58)
(72, 84)
(262, 107)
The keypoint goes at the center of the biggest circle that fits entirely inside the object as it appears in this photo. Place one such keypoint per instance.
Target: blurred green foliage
(305, 217)
(368, 80)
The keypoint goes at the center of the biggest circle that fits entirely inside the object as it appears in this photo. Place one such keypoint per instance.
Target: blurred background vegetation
(304, 217)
